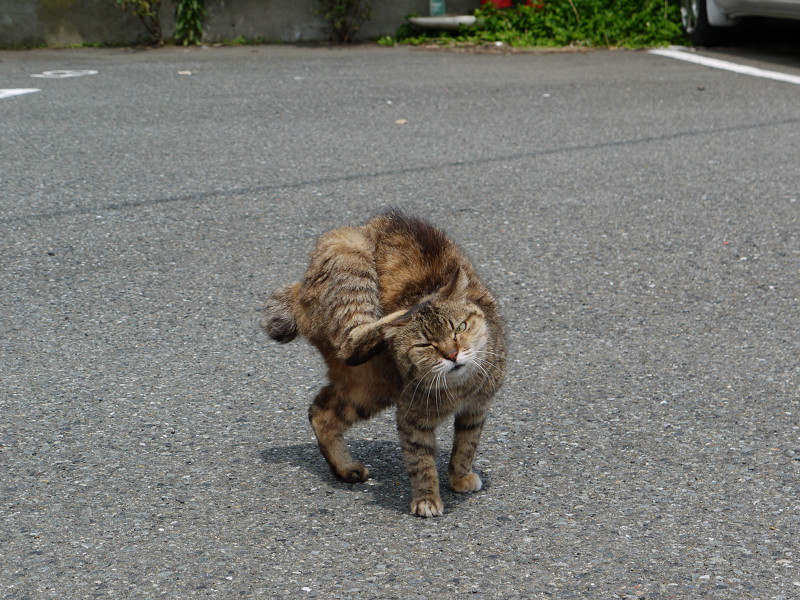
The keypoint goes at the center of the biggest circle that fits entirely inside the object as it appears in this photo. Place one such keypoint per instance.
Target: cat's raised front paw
(468, 483)
(427, 507)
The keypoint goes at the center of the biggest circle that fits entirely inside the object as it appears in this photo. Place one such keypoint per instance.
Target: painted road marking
(715, 63)
(17, 92)
(63, 74)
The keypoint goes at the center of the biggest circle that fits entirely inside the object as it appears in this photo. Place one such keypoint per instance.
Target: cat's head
(444, 334)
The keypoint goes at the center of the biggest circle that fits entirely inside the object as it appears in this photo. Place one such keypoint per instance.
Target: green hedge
(591, 23)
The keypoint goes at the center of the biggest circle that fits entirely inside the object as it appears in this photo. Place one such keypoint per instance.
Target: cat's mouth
(458, 368)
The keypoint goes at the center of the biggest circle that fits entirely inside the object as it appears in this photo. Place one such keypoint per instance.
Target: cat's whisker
(428, 397)
(478, 364)
(486, 358)
(447, 391)
(435, 388)
(484, 371)
(419, 379)
(482, 355)
(483, 363)
(486, 351)
(487, 363)
(414, 393)
(439, 377)
(436, 393)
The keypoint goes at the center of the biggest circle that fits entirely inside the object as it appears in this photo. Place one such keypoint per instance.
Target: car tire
(695, 25)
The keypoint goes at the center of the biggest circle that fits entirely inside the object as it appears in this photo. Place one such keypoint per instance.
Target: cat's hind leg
(331, 415)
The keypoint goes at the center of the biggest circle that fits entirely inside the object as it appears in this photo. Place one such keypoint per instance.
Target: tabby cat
(400, 317)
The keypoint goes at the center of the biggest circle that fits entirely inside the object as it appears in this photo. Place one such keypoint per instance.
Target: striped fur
(401, 319)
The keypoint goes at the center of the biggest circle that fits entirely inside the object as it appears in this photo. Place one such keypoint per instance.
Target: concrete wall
(65, 22)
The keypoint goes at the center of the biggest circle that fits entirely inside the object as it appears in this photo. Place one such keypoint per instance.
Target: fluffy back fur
(400, 317)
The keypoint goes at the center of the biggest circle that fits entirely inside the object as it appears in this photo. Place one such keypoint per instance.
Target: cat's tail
(278, 318)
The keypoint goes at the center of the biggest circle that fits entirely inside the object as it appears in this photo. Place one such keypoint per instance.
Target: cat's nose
(452, 355)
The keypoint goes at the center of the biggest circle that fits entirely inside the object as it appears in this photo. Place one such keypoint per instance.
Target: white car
(702, 19)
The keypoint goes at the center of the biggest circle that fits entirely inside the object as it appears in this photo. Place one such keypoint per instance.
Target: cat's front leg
(419, 451)
(467, 433)
(365, 341)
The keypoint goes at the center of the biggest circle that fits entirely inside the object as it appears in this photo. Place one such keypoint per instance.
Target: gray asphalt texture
(637, 217)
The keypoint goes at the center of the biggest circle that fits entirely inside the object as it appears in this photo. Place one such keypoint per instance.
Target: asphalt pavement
(637, 217)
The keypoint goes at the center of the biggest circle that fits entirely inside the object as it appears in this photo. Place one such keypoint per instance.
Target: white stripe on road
(17, 92)
(63, 74)
(715, 63)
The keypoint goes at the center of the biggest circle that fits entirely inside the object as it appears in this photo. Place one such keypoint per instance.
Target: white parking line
(62, 74)
(17, 92)
(715, 63)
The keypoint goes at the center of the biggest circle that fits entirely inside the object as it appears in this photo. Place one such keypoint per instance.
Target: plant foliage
(345, 17)
(597, 23)
(189, 15)
(147, 11)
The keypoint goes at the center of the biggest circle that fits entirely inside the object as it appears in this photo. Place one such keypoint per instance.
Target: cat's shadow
(388, 483)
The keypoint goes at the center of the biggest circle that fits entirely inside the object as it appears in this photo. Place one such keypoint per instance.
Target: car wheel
(695, 25)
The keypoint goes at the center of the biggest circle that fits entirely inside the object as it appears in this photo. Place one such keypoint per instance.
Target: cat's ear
(456, 288)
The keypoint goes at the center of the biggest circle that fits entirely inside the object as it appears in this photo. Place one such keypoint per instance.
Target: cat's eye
(461, 328)
(423, 345)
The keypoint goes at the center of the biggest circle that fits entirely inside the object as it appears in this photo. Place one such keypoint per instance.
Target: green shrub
(596, 23)
(147, 11)
(189, 15)
(345, 17)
